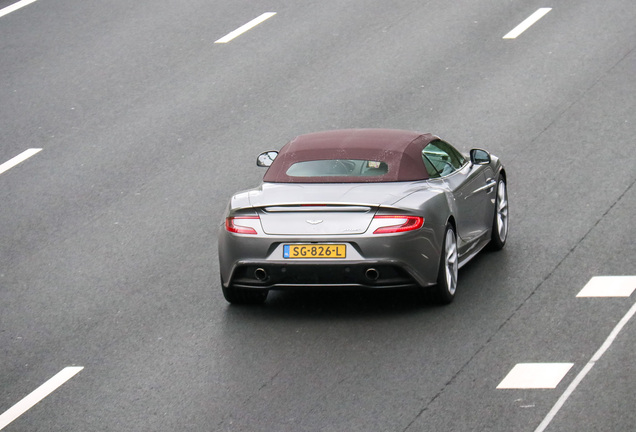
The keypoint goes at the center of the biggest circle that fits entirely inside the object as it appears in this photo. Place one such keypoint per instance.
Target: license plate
(315, 251)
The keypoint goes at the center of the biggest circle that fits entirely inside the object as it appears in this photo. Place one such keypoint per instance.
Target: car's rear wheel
(444, 291)
(500, 220)
(244, 295)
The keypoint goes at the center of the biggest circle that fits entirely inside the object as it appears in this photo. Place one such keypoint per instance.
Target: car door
(469, 187)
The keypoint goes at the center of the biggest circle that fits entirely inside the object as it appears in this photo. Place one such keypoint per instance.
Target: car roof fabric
(401, 150)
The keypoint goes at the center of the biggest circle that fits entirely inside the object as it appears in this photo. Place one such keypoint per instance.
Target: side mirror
(265, 159)
(479, 157)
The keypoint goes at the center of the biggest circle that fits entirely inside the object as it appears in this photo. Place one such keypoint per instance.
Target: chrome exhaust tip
(372, 274)
(261, 274)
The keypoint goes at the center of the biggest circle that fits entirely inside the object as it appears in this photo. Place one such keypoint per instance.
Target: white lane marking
(535, 376)
(245, 27)
(577, 380)
(609, 286)
(525, 24)
(18, 159)
(15, 7)
(38, 394)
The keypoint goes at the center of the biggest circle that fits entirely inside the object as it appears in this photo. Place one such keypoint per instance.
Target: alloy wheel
(502, 211)
(450, 261)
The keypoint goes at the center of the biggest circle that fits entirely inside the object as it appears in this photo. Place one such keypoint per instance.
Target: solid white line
(19, 158)
(588, 367)
(15, 7)
(245, 27)
(38, 394)
(525, 25)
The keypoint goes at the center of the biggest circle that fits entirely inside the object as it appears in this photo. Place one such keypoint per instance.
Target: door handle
(488, 187)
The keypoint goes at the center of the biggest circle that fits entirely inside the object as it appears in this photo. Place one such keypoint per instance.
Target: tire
(500, 218)
(444, 291)
(244, 296)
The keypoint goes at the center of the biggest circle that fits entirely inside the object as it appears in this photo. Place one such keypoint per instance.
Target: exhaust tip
(372, 274)
(261, 274)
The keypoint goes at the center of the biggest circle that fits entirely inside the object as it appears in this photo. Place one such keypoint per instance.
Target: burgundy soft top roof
(401, 150)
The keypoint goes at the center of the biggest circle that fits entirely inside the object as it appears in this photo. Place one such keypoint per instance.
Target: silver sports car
(363, 208)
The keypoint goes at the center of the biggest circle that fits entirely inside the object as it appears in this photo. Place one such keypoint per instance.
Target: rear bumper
(371, 275)
(401, 260)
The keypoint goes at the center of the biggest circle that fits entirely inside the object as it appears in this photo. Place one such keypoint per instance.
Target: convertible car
(362, 208)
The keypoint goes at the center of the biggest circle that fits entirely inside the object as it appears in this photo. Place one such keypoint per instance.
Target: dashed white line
(609, 286)
(525, 24)
(15, 6)
(535, 376)
(588, 367)
(38, 394)
(18, 159)
(245, 27)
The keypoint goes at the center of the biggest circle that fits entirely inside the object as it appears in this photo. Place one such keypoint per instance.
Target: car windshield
(338, 168)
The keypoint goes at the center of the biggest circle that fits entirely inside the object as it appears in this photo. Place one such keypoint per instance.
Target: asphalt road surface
(146, 125)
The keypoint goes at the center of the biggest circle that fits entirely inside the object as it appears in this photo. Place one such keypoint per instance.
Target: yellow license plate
(314, 251)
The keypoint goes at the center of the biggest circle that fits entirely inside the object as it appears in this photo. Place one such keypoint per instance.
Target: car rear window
(338, 168)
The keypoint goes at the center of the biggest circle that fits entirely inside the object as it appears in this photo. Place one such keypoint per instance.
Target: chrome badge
(314, 221)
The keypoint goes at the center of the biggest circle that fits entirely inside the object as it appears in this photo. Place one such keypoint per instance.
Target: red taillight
(233, 225)
(404, 223)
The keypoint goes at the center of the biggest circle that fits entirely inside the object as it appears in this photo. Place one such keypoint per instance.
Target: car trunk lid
(326, 209)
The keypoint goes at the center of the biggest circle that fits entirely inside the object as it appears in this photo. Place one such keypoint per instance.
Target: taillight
(397, 223)
(240, 224)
